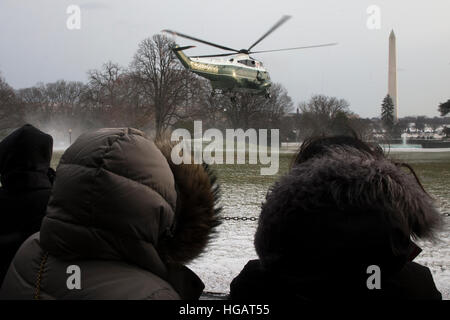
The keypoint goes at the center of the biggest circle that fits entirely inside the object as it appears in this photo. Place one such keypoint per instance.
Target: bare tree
(11, 111)
(64, 97)
(238, 109)
(364, 128)
(199, 104)
(104, 84)
(276, 107)
(323, 115)
(37, 109)
(163, 80)
(53, 103)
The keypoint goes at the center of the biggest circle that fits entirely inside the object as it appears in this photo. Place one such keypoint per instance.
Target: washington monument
(392, 80)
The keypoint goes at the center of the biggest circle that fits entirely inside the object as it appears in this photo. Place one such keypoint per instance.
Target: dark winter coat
(26, 183)
(123, 214)
(332, 217)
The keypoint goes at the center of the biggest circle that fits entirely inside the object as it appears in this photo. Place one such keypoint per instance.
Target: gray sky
(35, 44)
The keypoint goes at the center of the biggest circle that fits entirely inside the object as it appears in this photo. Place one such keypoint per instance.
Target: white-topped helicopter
(238, 71)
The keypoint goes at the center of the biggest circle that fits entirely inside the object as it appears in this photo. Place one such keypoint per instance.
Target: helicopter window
(247, 62)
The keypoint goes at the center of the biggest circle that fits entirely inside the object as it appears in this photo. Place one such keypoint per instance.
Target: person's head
(25, 150)
(319, 146)
(343, 203)
(117, 195)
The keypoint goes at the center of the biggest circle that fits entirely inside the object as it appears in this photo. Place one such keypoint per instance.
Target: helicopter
(236, 70)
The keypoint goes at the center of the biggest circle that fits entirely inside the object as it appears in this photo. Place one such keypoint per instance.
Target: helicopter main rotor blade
(214, 55)
(297, 48)
(199, 40)
(275, 26)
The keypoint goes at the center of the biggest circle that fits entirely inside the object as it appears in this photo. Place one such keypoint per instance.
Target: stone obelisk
(392, 80)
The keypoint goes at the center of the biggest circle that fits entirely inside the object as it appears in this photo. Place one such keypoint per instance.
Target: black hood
(25, 157)
(347, 210)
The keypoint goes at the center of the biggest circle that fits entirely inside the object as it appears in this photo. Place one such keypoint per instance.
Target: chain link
(240, 218)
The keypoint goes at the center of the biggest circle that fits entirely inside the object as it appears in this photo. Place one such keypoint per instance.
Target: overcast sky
(36, 45)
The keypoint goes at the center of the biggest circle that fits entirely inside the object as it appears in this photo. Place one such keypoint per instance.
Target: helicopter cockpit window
(247, 62)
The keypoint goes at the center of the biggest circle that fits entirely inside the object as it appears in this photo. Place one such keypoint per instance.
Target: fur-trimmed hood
(197, 213)
(344, 208)
(117, 196)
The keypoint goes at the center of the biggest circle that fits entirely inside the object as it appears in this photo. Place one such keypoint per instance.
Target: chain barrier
(240, 218)
(210, 295)
(228, 218)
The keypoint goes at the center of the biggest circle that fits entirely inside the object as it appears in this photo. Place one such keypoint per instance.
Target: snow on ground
(233, 247)
(227, 256)
(436, 256)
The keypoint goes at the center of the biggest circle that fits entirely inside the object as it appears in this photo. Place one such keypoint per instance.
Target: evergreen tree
(444, 108)
(387, 113)
(446, 131)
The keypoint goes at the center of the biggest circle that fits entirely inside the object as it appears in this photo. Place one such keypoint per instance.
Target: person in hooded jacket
(121, 223)
(26, 179)
(339, 226)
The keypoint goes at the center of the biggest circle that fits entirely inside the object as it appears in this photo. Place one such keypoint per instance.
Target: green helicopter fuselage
(239, 72)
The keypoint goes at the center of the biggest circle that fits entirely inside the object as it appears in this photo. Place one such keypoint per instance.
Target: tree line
(394, 128)
(155, 93)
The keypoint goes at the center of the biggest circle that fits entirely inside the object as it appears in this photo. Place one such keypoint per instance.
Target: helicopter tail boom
(184, 59)
(182, 48)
